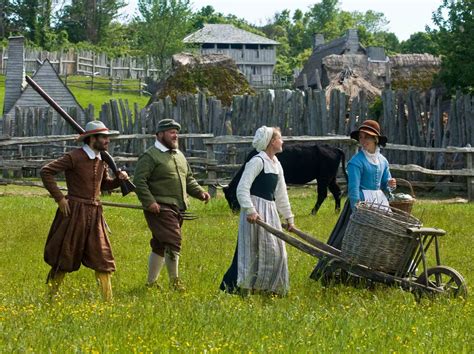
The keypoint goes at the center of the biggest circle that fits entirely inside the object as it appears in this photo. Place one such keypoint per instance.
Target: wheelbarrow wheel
(446, 279)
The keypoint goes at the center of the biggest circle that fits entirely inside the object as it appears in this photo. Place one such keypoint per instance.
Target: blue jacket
(364, 175)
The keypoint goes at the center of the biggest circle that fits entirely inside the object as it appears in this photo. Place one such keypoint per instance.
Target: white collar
(161, 147)
(264, 155)
(374, 158)
(91, 153)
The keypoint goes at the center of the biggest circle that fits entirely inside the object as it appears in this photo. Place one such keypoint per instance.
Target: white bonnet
(262, 138)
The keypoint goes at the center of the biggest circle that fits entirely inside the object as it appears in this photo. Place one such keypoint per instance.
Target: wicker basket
(376, 237)
(404, 205)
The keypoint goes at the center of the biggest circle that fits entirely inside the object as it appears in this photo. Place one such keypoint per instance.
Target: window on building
(207, 46)
(222, 46)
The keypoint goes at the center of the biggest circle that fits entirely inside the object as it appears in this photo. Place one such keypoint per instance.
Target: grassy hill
(80, 87)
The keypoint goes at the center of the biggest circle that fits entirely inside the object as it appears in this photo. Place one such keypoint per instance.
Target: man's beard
(99, 146)
(170, 144)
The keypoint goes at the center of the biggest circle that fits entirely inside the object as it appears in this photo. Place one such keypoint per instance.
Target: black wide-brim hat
(370, 127)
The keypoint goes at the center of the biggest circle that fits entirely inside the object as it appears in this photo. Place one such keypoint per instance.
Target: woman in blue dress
(369, 181)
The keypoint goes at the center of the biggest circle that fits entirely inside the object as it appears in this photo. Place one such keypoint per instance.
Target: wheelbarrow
(432, 281)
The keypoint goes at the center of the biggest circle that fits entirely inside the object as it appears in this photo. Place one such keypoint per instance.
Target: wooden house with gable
(254, 55)
(22, 100)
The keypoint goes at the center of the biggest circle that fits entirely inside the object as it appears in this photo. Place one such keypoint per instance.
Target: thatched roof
(213, 74)
(352, 84)
(226, 34)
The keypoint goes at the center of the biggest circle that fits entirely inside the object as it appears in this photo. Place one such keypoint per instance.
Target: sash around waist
(84, 200)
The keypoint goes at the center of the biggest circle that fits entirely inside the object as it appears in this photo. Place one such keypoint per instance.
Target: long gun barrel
(126, 186)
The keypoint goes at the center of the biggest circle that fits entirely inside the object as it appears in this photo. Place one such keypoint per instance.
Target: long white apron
(375, 196)
(262, 259)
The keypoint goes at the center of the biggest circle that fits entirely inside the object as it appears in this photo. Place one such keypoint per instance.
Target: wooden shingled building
(254, 55)
(22, 100)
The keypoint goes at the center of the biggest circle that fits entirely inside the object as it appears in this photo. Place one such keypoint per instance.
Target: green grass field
(310, 319)
(80, 88)
(96, 97)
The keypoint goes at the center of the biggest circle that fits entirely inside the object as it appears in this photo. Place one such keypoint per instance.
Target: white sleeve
(281, 197)
(251, 171)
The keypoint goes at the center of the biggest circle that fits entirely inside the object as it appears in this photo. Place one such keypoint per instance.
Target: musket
(126, 186)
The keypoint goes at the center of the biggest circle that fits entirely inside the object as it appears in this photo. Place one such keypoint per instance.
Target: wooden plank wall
(409, 118)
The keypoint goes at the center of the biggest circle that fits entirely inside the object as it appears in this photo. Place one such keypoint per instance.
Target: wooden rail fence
(220, 159)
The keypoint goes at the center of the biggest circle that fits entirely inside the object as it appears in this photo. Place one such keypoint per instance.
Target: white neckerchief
(161, 147)
(91, 153)
(271, 165)
(374, 158)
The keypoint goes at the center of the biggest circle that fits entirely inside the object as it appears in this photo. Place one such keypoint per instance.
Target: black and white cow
(301, 164)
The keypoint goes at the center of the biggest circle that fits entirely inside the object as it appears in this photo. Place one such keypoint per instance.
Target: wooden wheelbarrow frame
(429, 282)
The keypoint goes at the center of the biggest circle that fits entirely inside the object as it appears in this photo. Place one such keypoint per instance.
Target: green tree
(420, 42)
(6, 12)
(162, 25)
(321, 18)
(88, 20)
(32, 18)
(455, 33)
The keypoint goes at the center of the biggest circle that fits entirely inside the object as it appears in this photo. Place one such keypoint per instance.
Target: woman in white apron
(260, 260)
(368, 170)
(369, 181)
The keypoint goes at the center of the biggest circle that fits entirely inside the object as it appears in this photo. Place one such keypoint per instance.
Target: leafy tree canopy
(454, 38)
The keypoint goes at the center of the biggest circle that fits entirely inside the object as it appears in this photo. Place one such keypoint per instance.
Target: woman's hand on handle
(252, 218)
(392, 183)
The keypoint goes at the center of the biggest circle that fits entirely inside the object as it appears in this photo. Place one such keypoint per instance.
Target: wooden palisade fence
(415, 123)
(84, 62)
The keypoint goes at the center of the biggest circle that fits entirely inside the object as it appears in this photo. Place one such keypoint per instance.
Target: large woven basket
(376, 237)
(404, 205)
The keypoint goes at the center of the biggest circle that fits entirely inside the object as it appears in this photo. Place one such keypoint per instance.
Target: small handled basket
(404, 205)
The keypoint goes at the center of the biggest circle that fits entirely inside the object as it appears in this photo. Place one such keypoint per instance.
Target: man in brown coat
(78, 233)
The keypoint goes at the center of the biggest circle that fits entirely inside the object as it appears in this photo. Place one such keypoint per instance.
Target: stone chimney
(15, 73)
(352, 38)
(318, 40)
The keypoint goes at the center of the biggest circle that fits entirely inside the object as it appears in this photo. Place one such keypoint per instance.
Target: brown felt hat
(370, 127)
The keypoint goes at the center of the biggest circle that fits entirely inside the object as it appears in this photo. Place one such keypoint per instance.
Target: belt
(84, 200)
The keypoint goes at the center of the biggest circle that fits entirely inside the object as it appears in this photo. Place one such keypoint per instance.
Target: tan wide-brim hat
(370, 127)
(96, 127)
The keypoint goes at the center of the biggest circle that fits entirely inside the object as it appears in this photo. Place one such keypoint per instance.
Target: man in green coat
(164, 180)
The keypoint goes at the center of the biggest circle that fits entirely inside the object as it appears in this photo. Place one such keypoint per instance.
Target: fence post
(470, 180)
(211, 175)
(77, 63)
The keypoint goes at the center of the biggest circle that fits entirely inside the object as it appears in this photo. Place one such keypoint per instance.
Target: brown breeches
(79, 238)
(166, 229)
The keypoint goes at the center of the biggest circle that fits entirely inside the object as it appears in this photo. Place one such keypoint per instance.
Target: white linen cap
(262, 138)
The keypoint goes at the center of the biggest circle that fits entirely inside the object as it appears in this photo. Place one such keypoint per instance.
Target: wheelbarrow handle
(423, 231)
(313, 241)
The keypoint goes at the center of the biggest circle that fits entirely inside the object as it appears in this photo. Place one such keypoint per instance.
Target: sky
(405, 16)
